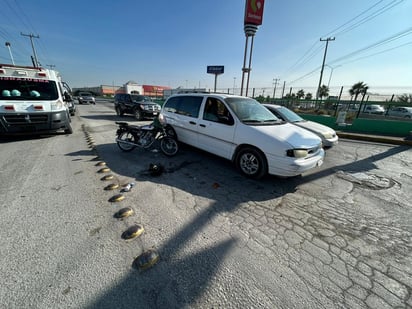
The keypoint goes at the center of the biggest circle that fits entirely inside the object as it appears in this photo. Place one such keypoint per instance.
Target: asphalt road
(337, 237)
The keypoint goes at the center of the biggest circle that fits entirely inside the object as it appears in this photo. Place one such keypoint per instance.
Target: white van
(33, 100)
(244, 131)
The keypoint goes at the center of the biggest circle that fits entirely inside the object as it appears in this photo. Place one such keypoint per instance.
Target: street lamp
(11, 56)
(234, 84)
(331, 71)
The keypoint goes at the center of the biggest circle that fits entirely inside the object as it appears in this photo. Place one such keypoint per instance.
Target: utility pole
(323, 63)
(36, 62)
(283, 89)
(275, 82)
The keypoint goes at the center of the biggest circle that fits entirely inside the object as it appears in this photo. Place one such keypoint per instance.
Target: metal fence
(342, 92)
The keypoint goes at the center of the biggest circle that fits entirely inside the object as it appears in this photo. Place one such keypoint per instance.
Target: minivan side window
(185, 105)
(216, 111)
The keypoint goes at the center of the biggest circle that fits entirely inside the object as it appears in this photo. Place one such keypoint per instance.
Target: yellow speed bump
(104, 170)
(124, 213)
(133, 232)
(146, 259)
(117, 198)
(107, 177)
(111, 186)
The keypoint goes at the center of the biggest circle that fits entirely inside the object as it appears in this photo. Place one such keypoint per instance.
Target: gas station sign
(254, 12)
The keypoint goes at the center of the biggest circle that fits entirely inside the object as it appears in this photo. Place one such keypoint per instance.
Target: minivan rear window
(184, 105)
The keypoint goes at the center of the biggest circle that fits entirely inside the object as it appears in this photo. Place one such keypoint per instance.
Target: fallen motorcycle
(131, 136)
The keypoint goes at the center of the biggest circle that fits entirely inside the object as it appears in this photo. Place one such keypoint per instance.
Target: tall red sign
(254, 12)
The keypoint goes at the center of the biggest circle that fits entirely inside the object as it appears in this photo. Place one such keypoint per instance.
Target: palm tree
(357, 89)
(300, 94)
(324, 91)
(308, 96)
(405, 98)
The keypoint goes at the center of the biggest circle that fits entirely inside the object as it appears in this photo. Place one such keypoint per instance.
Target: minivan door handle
(192, 122)
(202, 125)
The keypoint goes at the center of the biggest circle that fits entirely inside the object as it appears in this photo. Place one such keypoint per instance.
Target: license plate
(155, 113)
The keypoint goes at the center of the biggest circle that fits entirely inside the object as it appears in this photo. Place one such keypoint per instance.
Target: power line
(352, 19)
(372, 16)
(15, 9)
(305, 76)
(18, 15)
(381, 42)
(306, 58)
(304, 55)
(378, 53)
(20, 9)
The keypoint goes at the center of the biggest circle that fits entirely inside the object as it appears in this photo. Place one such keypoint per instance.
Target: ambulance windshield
(23, 89)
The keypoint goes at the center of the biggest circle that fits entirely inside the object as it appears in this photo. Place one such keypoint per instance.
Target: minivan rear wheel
(251, 162)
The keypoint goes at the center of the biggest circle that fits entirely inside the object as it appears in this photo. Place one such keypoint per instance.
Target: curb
(374, 138)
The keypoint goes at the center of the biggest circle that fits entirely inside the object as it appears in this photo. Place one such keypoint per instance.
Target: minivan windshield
(23, 89)
(250, 111)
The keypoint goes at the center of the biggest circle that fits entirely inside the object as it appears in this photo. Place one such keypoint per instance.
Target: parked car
(403, 112)
(242, 130)
(374, 109)
(86, 97)
(328, 135)
(138, 105)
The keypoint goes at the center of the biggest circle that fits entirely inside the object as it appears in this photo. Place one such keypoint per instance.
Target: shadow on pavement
(177, 283)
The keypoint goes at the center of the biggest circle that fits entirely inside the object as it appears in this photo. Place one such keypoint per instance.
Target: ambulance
(33, 100)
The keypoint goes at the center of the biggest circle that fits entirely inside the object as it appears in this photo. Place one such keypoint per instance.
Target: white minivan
(242, 130)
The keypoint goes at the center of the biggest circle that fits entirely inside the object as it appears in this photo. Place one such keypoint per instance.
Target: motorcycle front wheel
(125, 141)
(169, 146)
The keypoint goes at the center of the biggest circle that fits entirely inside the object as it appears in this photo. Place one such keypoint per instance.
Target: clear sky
(171, 43)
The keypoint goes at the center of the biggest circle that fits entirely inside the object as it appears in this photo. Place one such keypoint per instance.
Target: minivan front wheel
(251, 162)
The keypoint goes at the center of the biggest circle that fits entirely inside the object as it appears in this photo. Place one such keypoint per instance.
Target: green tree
(323, 91)
(260, 99)
(357, 89)
(308, 96)
(300, 94)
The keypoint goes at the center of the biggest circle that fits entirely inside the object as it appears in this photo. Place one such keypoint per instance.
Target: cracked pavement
(337, 237)
(341, 234)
